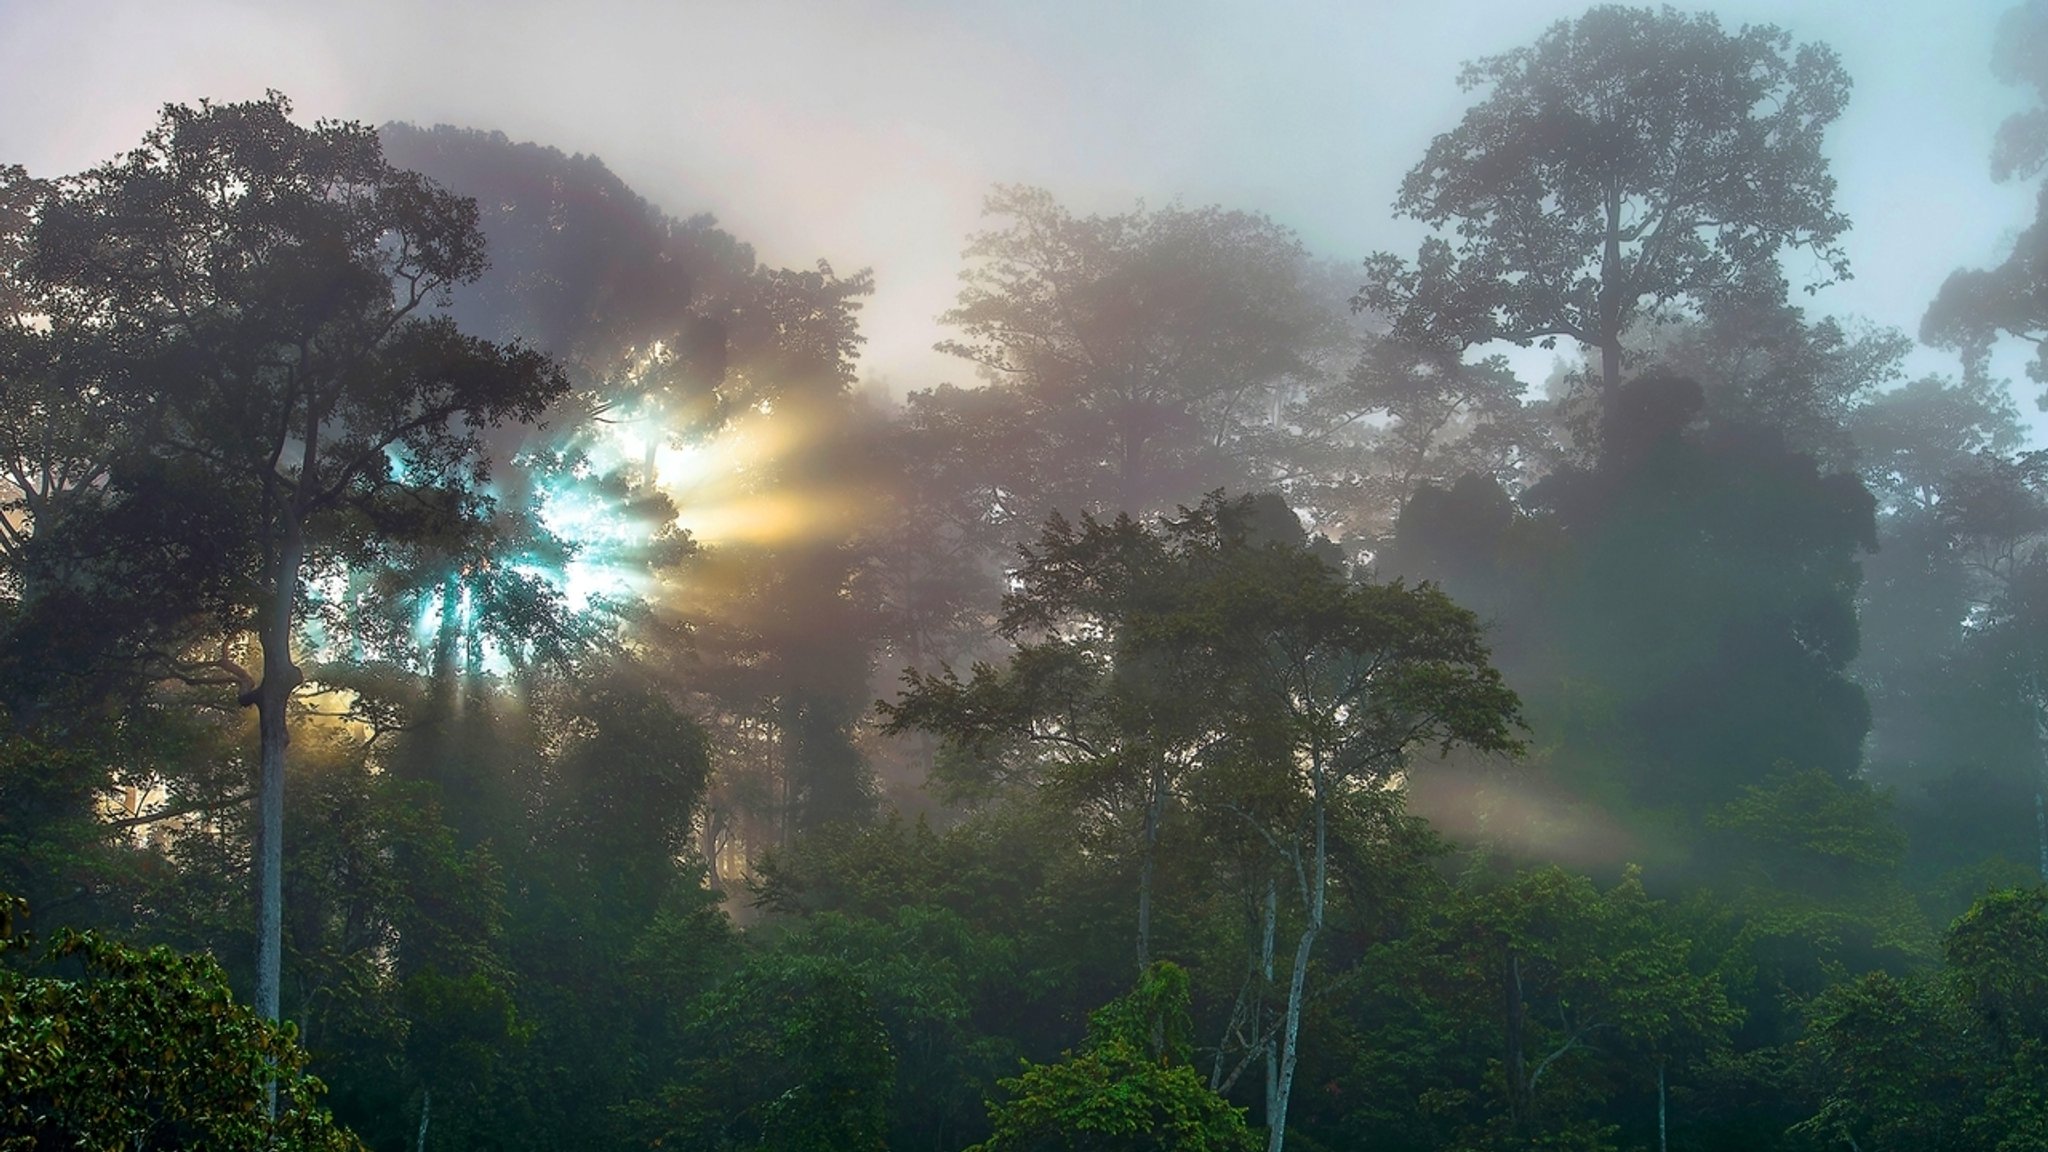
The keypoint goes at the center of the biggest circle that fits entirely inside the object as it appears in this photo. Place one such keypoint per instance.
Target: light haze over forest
(1066, 577)
(866, 132)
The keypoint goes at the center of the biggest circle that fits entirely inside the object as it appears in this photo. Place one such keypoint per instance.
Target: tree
(1691, 575)
(1402, 420)
(1148, 348)
(146, 1049)
(1976, 306)
(1322, 686)
(1131, 1088)
(1627, 162)
(1762, 365)
(1533, 1001)
(1951, 1059)
(759, 1075)
(1082, 711)
(261, 293)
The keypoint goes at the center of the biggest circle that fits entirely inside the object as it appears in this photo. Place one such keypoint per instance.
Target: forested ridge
(481, 669)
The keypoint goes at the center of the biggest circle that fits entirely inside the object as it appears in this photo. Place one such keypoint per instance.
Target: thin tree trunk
(273, 693)
(426, 1110)
(272, 696)
(1154, 804)
(1511, 995)
(1663, 1145)
(2040, 760)
(2041, 828)
(1266, 970)
(1290, 1052)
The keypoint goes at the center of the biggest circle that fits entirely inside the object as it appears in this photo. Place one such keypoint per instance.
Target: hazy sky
(866, 131)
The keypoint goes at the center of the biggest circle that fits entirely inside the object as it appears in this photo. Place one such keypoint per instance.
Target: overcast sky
(866, 131)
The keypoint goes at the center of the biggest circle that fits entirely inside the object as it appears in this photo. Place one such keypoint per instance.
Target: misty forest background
(445, 601)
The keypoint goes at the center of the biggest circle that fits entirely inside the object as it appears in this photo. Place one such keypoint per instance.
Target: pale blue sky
(865, 131)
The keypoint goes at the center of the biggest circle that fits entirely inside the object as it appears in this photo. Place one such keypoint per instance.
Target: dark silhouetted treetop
(2019, 55)
(667, 321)
(1628, 161)
(1976, 306)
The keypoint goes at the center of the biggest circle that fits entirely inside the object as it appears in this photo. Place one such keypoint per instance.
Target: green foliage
(939, 985)
(1692, 574)
(1129, 1089)
(146, 1049)
(788, 1055)
(1819, 861)
(1951, 1059)
(1527, 1006)
(1998, 951)
(514, 825)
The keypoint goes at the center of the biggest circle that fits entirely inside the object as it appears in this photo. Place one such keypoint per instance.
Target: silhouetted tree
(1629, 161)
(262, 296)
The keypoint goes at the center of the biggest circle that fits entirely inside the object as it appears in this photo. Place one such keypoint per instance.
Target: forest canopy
(483, 666)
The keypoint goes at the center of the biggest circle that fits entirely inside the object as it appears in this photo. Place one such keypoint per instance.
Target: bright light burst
(610, 511)
(724, 489)
(604, 537)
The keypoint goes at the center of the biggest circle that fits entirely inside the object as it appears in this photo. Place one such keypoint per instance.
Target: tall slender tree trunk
(1266, 971)
(1155, 805)
(1290, 1051)
(2040, 759)
(1511, 1002)
(1610, 365)
(273, 695)
(1663, 1145)
(426, 1111)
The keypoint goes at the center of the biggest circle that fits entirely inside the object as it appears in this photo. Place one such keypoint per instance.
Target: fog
(866, 133)
(984, 577)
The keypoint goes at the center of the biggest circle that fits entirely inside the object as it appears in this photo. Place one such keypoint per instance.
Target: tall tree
(1627, 162)
(1976, 306)
(1321, 686)
(1149, 348)
(263, 292)
(1081, 711)
(1692, 575)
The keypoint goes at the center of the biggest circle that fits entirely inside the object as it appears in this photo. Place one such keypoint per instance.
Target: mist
(893, 575)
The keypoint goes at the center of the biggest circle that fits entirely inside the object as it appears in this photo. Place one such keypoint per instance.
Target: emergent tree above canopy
(1628, 161)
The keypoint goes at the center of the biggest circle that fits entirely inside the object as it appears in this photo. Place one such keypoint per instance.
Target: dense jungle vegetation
(480, 670)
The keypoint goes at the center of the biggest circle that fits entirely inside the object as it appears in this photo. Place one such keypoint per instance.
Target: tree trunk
(2041, 828)
(1266, 971)
(447, 637)
(1662, 1144)
(1511, 995)
(426, 1110)
(1290, 1051)
(2040, 760)
(273, 694)
(1148, 852)
(1611, 301)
